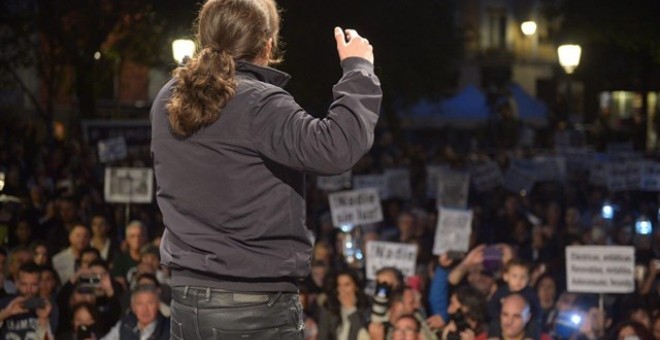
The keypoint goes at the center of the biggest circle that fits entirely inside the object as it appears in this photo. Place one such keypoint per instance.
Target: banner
(600, 269)
(377, 182)
(113, 149)
(452, 231)
(486, 176)
(129, 185)
(334, 183)
(402, 256)
(398, 183)
(355, 207)
(453, 189)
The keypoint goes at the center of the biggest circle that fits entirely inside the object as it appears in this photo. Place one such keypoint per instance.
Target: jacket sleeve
(438, 293)
(285, 133)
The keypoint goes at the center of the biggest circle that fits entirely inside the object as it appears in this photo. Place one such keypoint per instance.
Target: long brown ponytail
(227, 31)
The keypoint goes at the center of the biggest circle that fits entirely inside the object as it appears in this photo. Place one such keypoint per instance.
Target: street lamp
(182, 49)
(528, 28)
(569, 59)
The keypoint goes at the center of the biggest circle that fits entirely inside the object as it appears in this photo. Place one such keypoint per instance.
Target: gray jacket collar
(265, 74)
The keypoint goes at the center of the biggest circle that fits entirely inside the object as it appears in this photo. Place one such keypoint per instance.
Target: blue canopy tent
(530, 110)
(467, 109)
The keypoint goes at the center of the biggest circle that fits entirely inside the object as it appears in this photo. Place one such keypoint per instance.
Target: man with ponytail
(231, 149)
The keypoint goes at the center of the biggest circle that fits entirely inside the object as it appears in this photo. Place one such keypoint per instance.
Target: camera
(85, 332)
(381, 302)
(34, 303)
(461, 325)
(89, 281)
(567, 323)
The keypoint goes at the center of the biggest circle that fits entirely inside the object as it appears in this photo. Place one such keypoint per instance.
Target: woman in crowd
(344, 314)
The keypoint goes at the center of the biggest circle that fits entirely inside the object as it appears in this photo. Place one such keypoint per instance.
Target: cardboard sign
(453, 189)
(402, 256)
(377, 182)
(518, 179)
(334, 183)
(398, 183)
(486, 176)
(355, 207)
(433, 172)
(129, 185)
(452, 231)
(112, 149)
(600, 269)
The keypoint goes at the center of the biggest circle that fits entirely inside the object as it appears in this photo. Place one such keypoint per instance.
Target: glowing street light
(182, 49)
(569, 57)
(528, 28)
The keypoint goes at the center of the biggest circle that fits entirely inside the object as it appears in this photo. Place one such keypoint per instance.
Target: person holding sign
(230, 150)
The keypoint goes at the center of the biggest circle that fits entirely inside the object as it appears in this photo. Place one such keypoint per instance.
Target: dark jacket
(130, 331)
(329, 324)
(232, 194)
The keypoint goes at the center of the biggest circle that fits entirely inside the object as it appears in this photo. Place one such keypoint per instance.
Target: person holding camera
(83, 323)
(26, 316)
(467, 315)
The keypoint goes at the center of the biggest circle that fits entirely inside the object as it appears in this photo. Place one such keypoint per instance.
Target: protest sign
(453, 230)
(486, 176)
(519, 179)
(355, 207)
(600, 269)
(112, 149)
(402, 256)
(433, 172)
(617, 175)
(398, 183)
(550, 168)
(377, 182)
(453, 188)
(650, 177)
(128, 185)
(334, 183)
(2, 180)
(598, 170)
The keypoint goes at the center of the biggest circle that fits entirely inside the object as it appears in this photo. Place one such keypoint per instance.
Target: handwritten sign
(453, 230)
(600, 269)
(402, 256)
(129, 185)
(355, 207)
(112, 149)
(486, 176)
(453, 189)
(377, 182)
(334, 183)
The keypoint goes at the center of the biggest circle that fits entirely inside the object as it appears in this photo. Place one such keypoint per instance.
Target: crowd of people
(73, 268)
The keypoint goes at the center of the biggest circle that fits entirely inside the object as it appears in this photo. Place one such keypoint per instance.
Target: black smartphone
(34, 303)
(84, 332)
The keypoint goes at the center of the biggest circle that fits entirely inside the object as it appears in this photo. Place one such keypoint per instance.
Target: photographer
(95, 280)
(26, 316)
(467, 311)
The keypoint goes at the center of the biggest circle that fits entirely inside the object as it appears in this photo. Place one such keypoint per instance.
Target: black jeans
(208, 313)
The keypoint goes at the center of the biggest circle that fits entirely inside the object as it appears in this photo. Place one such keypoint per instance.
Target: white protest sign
(650, 177)
(452, 231)
(518, 180)
(433, 172)
(402, 256)
(550, 168)
(128, 185)
(453, 189)
(377, 182)
(334, 183)
(577, 159)
(598, 170)
(634, 174)
(355, 207)
(112, 149)
(617, 175)
(600, 269)
(398, 183)
(486, 176)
